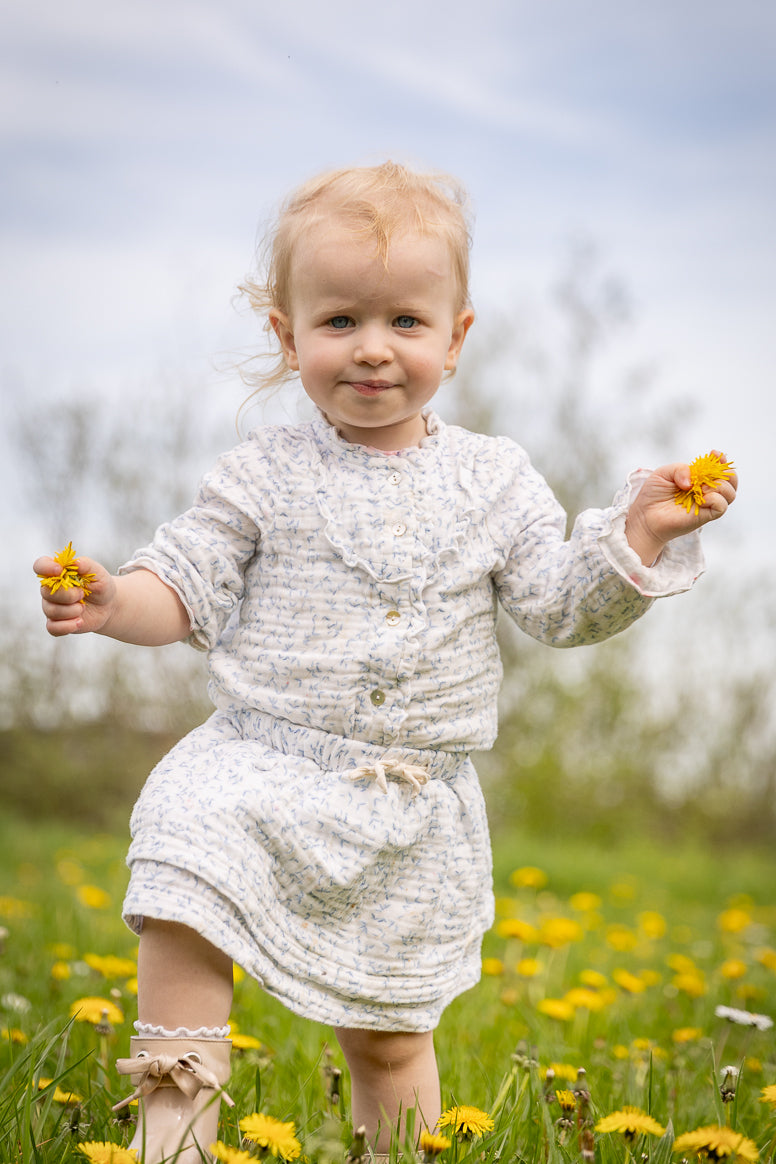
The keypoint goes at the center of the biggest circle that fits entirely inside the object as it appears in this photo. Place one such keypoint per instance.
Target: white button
(393, 617)
(394, 478)
(399, 529)
(377, 696)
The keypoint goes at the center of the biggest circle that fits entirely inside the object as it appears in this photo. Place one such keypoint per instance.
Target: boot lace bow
(187, 1073)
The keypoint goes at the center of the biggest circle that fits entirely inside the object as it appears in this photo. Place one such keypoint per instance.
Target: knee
(378, 1051)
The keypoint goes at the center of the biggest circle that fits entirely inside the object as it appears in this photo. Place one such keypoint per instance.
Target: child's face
(370, 343)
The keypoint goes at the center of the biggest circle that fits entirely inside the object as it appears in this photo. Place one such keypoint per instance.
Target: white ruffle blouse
(325, 827)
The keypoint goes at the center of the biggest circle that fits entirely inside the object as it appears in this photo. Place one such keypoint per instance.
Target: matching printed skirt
(354, 905)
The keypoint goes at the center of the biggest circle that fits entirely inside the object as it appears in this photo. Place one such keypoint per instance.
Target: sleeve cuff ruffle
(676, 570)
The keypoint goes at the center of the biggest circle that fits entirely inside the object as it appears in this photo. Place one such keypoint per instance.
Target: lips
(370, 387)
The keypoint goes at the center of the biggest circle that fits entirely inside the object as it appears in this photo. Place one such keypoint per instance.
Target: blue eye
(339, 322)
(406, 321)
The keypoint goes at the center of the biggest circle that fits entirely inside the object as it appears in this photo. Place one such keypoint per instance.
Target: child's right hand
(66, 611)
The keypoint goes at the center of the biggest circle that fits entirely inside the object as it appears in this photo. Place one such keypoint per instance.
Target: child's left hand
(654, 517)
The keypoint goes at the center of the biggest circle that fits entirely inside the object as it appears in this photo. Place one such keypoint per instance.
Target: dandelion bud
(104, 1027)
(334, 1077)
(581, 1089)
(587, 1145)
(358, 1148)
(727, 1088)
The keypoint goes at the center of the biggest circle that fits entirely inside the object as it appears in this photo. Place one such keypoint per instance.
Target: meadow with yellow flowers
(625, 1013)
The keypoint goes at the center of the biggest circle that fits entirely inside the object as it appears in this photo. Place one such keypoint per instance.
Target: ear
(463, 321)
(281, 325)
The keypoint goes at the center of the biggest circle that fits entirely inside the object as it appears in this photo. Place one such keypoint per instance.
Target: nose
(373, 346)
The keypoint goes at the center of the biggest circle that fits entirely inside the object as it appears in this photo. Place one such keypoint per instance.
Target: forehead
(334, 258)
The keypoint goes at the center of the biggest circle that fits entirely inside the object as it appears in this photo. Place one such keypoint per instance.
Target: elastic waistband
(339, 753)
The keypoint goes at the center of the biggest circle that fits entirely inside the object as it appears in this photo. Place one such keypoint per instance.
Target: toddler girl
(325, 827)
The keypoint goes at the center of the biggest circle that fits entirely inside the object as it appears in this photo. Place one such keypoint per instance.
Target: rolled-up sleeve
(567, 592)
(202, 555)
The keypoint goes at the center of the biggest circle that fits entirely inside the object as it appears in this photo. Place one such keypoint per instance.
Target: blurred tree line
(668, 732)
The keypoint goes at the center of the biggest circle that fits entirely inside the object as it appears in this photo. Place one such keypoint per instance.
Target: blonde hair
(377, 202)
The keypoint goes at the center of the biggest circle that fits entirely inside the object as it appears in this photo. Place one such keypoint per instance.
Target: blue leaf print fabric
(347, 600)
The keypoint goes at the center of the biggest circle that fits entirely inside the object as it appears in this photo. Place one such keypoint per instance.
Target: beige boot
(179, 1083)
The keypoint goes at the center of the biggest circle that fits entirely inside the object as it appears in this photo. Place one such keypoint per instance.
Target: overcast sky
(143, 143)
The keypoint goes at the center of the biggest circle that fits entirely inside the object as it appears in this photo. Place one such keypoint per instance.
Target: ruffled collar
(330, 438)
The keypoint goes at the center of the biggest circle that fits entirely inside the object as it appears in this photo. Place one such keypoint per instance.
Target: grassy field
(603, 978)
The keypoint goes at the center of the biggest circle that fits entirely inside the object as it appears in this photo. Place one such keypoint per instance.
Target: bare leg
(182, 981)
(390, 1074)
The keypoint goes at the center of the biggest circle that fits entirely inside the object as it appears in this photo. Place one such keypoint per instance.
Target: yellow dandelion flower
(624, 890)
(582, 998)
(642, 1046)
(69, 1098)
(733, 968)
(563, 1071)
(514, 927)
(556, 932)
(584, 902)
(630, 1122)
(734, 920)
(231, 1155)
(61, 950)
(631, 983)
(509, 997)
(431, 1146)
(528, 877)
(693, 985)
(69, 576)
(493, 967)
(14, 1035)
(687, 1034)
(529, 967)
(566, 1099)
(594, 979)
(101, 1152)
(466, 1121)
(621, 938)
(60, 971)
(767, 958)
(70, 871)
(716, 1143)
(94, 1010)
(93, 897)
(705, 472)
(13, 907)
(110, 965)
(241, 1042)
(272, 1135)
(681, 964)
(652, 924)
(556, 1008)
(620, 1051)
(768, 1095)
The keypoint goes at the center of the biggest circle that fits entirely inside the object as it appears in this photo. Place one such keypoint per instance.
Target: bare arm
(133, 608)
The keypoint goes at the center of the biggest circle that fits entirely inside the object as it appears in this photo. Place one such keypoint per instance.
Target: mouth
(370, 387)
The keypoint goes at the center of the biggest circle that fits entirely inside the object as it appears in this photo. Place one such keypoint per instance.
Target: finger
(59, 628)
(62, 604)
(714, 504)
(47, 567)
(64, 596)
(732, 476)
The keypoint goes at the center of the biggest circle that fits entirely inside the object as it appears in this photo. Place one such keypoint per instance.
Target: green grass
(655, 942)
